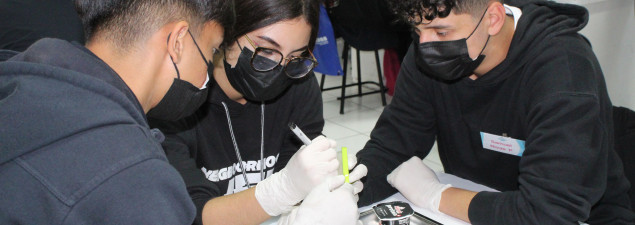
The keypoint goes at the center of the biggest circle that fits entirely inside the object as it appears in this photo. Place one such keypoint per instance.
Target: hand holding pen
(311, 165)
(345, 158)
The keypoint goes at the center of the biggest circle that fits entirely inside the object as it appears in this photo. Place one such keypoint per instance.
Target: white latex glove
(330, 203)
(354, 177)
(418, 183)
(307, 168)
(358, 173)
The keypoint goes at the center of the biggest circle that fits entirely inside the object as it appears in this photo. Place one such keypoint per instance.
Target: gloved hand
(330, 203)
(354, 177)
(307, 168)
(418, 183)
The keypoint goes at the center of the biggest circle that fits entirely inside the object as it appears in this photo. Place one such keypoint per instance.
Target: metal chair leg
(344, 73)
(382, 88)
(359, 74)
(322, 83)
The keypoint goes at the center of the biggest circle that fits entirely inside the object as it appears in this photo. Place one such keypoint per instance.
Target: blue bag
(326, 47)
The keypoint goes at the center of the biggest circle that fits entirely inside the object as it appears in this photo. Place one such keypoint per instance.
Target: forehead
(452, 21)
(289, 34)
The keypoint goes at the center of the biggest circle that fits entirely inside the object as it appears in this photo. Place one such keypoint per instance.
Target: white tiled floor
(352, 129)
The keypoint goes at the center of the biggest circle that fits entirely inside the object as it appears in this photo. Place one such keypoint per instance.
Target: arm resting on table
(455, 202)
(238, 208)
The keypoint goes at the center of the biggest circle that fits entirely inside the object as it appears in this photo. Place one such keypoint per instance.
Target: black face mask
(254, 85)
(447, 60)
(183, 98)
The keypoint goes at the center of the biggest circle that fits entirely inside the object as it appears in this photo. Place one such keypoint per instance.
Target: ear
(496, 17)
(176, 41)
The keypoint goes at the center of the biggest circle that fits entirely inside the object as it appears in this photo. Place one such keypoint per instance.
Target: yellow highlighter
(345, 164)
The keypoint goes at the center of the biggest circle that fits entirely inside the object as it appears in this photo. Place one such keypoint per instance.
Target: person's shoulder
(47, 105)
(39, 89)
(44, 77)
(71, 130)
(566, 64)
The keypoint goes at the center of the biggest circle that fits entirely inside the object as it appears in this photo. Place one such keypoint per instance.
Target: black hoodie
(202, 150)
(75, 147)
(550, 93)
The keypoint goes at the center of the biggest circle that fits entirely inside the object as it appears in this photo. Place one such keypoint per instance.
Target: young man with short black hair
(516, 100)
(76, 146)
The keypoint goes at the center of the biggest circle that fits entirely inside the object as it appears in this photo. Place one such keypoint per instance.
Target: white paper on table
(463, 183)
(439, 217)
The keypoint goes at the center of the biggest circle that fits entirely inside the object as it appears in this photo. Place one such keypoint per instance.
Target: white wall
(611, 30)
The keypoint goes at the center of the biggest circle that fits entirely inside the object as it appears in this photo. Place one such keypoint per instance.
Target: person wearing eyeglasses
(237, 155)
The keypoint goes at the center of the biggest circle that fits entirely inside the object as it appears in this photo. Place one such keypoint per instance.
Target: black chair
(366, 25)
(359, 83)
(624, 128)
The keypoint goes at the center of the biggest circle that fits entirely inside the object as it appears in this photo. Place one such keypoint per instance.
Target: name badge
(502, 144)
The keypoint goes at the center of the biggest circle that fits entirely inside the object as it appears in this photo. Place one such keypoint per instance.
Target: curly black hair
(424, 11)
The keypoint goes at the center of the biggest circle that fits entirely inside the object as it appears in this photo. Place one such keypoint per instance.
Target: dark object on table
(393, 213)
(369, 218)
(23, 22)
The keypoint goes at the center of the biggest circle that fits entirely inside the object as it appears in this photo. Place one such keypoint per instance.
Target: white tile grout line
(352, 102)
(356, 132)
(365, 108)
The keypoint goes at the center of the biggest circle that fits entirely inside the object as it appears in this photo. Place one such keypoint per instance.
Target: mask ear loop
(479, 23)
(239, 46)
(178, 74)
(488, 36)
(198, 47)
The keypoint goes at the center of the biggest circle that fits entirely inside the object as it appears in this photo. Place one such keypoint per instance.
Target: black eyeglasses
(266, 59)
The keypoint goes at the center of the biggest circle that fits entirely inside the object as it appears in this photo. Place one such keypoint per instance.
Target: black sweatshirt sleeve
(406, 128)
(307, 114)
(179, 147)
(563, 171)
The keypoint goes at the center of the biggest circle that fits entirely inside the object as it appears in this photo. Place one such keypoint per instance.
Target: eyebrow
(274, 43)
(440, 26)
(271, 41)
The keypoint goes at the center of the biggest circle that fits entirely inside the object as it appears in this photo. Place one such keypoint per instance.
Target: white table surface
(441, 218)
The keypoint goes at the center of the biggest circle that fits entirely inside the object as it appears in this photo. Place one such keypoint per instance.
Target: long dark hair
(255, 14)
